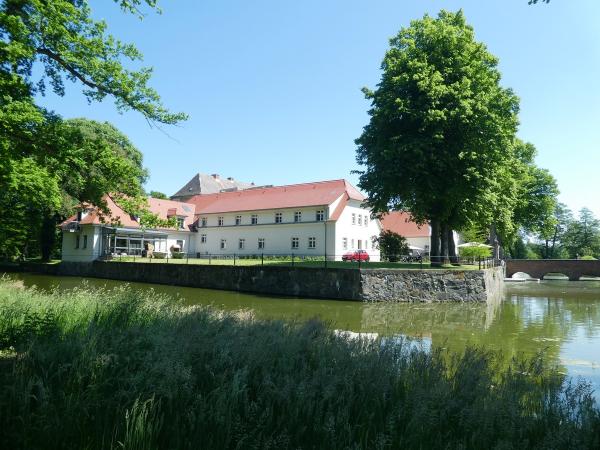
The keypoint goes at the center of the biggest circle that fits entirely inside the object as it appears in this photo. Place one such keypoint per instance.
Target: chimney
(215, 176)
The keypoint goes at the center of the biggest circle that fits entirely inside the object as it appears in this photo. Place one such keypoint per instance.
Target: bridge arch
(541, 268)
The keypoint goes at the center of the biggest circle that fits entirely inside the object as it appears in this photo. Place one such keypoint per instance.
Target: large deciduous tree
(42, 160)
(441, 127)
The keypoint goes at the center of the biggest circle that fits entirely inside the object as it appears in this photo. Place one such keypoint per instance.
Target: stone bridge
(537, 268)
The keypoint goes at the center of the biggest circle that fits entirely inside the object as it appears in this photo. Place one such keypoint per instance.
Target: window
(366, 221)
(345, 243)
(203, 221)
(298, 216)
(352, 244)
(366, 244)
(220, 221)
(360, 219)
(77, 241)
(180, 222)
(254, 219)
(203, 239)
(223, 244)
(320, 215)
(353, 219)
(278, 217)
(312, 242)
(359, 244)
(85, 241)
(180, 244)
(295, 242)
(238, 220)
(261, 243)
(242, 244)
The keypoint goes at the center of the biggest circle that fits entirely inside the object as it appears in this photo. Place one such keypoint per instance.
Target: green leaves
(440, 124)
(72, 46)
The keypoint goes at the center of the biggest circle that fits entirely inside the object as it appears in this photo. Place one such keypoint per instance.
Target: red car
(357, 255)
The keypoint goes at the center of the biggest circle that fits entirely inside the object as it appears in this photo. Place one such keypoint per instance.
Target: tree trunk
(494, 242)
(47, 236)
(444, 243)
(452, 247)
(434, 251)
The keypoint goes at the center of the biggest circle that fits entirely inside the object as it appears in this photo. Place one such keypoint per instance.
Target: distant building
(202, 184)
(320, 218)
(418, 236)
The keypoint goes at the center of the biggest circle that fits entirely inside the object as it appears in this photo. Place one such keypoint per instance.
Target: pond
(558, 317)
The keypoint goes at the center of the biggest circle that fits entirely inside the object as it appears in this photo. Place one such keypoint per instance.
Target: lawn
(99, 369)
(298, 262)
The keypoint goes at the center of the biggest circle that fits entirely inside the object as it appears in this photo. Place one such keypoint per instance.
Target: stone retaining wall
(343, 284)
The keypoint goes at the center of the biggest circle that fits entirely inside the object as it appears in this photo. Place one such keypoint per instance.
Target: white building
(325, 218)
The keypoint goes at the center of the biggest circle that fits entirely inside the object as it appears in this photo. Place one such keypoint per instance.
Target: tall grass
(94, 369)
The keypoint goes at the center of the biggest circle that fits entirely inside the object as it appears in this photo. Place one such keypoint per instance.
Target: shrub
(475, 252)
(588, 258)
(159, 255)
(177, 255)
(392, 245)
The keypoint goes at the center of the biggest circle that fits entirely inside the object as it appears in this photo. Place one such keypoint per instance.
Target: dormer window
(79, 216)
(298, 216)
(320, 215)
(180, 223)
(203, 222)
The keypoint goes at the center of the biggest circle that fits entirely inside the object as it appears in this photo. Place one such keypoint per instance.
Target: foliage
(392, 245)
(107, 369)
(157, 194)
(588, 258)
(475, 252)
(582, 237)
(73, 161)
(69, 44)
(440, 125)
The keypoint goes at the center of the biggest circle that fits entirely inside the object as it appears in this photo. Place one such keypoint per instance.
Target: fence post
(421, 263)
(292, 260)
(326, 260)
(234, 259)
(262, 259)
(209, 259)
(187, 258)
(479, 259)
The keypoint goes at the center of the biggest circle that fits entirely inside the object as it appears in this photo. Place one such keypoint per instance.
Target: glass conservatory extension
(125, 241)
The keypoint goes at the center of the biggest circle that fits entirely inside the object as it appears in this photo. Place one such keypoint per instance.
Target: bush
(588, 258)
(159, 255)
(178, 255)
(124, 369)
(475, 252)
(392, 245)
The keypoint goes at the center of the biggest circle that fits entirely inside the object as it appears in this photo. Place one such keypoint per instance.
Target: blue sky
(273, 87)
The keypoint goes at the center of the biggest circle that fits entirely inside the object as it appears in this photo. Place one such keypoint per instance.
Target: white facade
(305, 232)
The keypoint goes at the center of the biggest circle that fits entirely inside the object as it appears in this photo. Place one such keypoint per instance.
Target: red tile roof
(320, 193)
(117, 215)
(401, 223)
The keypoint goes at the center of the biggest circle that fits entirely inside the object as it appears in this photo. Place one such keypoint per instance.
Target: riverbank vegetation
(121, 369)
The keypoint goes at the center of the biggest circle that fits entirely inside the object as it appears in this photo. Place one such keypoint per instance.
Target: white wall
(277, 236)
(94, 244)
(344, 228)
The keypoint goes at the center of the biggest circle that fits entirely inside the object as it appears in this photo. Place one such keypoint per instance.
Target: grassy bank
(98, 369)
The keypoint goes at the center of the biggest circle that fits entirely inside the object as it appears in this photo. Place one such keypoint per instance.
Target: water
(561, 318)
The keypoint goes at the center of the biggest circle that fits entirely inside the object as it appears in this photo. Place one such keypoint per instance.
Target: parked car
(357, 255)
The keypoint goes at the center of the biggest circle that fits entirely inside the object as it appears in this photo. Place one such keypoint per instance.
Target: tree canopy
(46, 164)
(441, 126)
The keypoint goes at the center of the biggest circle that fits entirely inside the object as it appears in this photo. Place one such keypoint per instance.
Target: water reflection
(560, 318)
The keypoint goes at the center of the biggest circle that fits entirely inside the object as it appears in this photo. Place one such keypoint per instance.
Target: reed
(97, 369)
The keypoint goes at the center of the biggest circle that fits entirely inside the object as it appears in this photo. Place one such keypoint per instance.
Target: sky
(273, 88)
